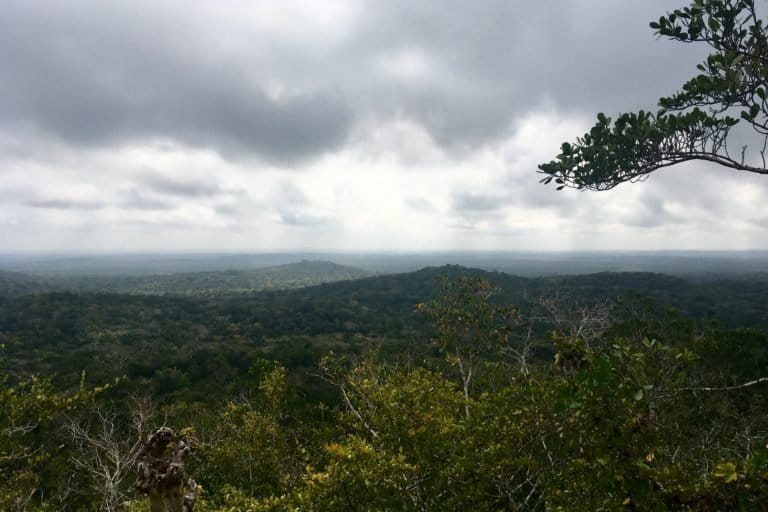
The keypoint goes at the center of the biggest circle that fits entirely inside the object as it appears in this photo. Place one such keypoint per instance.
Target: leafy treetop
(694, 123)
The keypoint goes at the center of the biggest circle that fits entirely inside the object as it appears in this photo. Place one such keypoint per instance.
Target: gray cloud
(94, 75)
(228, 210)
(66, 204)
(294, 208)
(469, 202)
(162, 105)
(303, 219)
(651, 212)
(290, 194)
(494, 61)
(136, 201)
(13, 195)
(180, 187)
(420, 204)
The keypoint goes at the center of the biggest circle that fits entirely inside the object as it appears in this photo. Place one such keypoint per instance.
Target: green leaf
(726, 471)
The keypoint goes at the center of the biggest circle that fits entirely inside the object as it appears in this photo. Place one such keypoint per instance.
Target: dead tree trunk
(160, 473)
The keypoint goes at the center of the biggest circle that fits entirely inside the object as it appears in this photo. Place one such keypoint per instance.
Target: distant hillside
(281, 277)
(382, 300)
(214, 334)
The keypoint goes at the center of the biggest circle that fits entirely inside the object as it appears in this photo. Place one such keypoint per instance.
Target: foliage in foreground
(609, 424)
(30, 412)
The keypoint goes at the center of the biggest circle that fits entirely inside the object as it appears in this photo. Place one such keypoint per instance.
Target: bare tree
(573, 318)
(106, 447)
(521, 352)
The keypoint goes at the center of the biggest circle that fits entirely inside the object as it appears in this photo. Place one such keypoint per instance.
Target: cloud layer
(343, 124)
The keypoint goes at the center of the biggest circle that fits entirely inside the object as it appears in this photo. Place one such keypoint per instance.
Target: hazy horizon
(699, 264)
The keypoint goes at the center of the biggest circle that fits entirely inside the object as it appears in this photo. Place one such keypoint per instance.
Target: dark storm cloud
(94, 73)
(495, 61)
(66, 204)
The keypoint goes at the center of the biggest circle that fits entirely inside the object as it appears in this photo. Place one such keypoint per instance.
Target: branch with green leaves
(694, 123)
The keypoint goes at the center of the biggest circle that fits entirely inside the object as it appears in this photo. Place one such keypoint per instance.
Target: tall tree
(697, 122)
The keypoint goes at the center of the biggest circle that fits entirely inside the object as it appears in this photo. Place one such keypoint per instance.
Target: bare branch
(719, 388)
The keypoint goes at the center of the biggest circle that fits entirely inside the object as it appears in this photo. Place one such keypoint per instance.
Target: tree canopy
(695, 123)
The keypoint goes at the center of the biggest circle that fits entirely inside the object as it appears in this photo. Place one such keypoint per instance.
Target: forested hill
(291, 275)
(732, 302)
(204, 342)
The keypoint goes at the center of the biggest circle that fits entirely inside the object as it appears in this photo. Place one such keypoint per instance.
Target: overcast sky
(260, 125)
